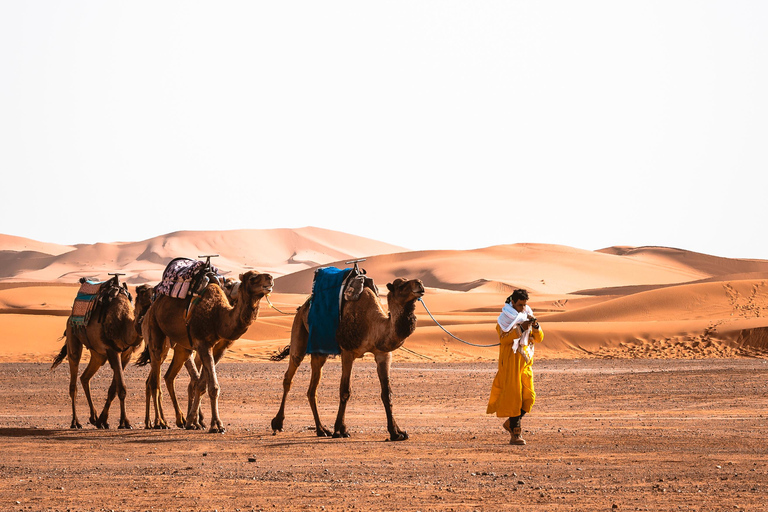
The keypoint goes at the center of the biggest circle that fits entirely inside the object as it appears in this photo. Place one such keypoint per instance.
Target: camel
(363, 327)
(114, 340)
(212, 326)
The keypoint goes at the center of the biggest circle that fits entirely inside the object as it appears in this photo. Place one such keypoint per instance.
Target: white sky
(430, 125)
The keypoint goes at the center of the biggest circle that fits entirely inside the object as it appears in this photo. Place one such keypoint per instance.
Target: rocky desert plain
(651, 385)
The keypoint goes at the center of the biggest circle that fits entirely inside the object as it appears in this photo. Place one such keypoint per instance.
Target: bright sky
(426, 124)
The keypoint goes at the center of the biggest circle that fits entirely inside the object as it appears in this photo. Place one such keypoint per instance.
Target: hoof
(399, 436)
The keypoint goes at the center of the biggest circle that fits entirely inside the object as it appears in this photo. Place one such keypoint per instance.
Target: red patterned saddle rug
(85, 301)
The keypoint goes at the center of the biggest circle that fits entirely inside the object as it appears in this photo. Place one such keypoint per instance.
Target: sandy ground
(604, 435)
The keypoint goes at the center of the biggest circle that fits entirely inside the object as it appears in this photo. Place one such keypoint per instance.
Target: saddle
(95, 296)
(331, 289)
(183, 277)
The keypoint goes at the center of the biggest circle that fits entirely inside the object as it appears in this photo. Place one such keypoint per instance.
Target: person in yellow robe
(512, 393)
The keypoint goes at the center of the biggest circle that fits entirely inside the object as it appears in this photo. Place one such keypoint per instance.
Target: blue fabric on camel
(324, 310)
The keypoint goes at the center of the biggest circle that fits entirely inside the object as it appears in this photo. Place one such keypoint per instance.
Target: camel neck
(246, 312)
(402, 318)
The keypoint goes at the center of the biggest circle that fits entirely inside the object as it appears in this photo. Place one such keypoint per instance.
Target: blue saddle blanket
(325, 310)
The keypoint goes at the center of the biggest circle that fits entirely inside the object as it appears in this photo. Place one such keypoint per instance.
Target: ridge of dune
(722, 300)
(540, 268)
(21, 244)
(681, 258)
(279, 251)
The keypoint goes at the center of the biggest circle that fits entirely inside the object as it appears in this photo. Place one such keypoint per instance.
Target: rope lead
(273, 306)
(451, 335)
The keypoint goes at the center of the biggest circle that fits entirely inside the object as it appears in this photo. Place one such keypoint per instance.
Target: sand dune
(279, 251)
(616, 302)
(542, 269)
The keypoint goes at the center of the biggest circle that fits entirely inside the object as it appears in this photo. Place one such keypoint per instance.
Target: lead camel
(364, 327)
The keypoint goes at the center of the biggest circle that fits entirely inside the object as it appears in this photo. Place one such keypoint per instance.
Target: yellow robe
(513, 385)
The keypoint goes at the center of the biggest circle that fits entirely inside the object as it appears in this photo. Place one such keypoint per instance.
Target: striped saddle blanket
(85, 301)
(183, 276)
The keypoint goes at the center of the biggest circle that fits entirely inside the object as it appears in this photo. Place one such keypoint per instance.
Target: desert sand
(613, 424)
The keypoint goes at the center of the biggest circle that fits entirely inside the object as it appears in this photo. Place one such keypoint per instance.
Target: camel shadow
(315, 440)
(29, 432)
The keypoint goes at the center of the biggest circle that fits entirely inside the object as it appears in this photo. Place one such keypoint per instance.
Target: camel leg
(116, 362)
(208, 378)
(317, 361)
(211, 381)
(97, 360)
(347, 358)
(180, 356)
(195, 391)
(125, 357)
(154, 337)
(299, 338)
(74, 353)
(195, 375)
(382, 368)
(277, 421)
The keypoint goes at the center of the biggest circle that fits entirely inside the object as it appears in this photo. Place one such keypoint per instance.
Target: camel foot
(125, 425)
(103, 425)
(398, 436)
(181, 423)
(216, 430)
(337, 435)
(191, 426)
(277, 424)
(75, 424)
(324, 432)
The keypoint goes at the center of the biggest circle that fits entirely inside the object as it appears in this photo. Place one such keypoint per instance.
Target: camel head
(231, 287)
(143, 299)
(405, 291)
(255, 285)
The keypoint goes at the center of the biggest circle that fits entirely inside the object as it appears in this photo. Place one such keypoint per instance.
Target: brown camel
(363, 327)
(212, 326)
(114, 339)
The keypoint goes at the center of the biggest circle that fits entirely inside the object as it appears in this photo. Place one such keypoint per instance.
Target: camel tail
(144, 359)
(59, 358)
(281, 355)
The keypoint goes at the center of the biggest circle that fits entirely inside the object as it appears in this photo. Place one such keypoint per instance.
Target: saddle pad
(178, 276)
(325, 310)
(85, 302)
